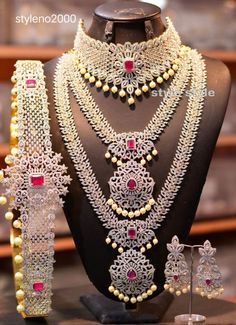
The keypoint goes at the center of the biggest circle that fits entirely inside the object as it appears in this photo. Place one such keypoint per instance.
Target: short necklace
(131, 273)
(129, 69)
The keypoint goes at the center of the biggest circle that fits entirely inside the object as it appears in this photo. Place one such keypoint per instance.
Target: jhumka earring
(176, 269)
(209, 279)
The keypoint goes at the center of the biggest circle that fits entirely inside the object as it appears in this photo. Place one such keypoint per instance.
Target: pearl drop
(144, 295)
(87, 75)
(8, 161)
(122, 93)
(119, 162)
(14, 91)
(9, 215)
(152, 84)
(171, 72)
(166, 76)
(138, 92)
(120, 250)
(131, 101)
(111, 288)
(154, 152)
(153, 287)
(143, 162)
(18, 241)
(124, 213)
(119, 210)
(110, 201)
(131, 214)
(3, 200)
(1, 175)
(108, 240)
(171, 290)
(17, 224)
(114, 160)
(116, 292)
(184, 290)
(126, 299)
(149, 246)
(20, 294)
(151, 201)
(107, 155)
(114, 206)
(178, 293)
(20, 308)
(145, 88)
(14, 151)
(149, 292)
(133, 300)
(139, 299)
(137, 213)
(114, 89)
(121, 296)
(92, 79)
(18, 259)
(14, 105)
(18, 276)
(149, 157)
(105, 88)
(98, 84)
(166, 286)
(142, 249)
(142, 210)
(114, 245)
(175, 67)
(155, 241)
(13, 79)
(83, 71)
(160, 80)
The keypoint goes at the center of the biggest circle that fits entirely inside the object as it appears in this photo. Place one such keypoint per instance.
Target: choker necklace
(129, 69)
(131, 186)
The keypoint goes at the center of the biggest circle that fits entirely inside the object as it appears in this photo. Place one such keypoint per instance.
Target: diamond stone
(30, 83)
(38, 286)
(128, 65)
(131, 275)
(37, 180)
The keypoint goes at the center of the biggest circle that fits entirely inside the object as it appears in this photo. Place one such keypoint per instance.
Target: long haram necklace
(131, 273)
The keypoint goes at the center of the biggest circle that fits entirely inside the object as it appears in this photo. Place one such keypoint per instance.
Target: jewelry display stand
(111, 312)
(89, 235)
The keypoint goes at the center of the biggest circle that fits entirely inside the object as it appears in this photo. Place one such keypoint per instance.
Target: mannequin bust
(129, 19)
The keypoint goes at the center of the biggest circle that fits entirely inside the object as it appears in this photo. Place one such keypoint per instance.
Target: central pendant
(131, 188)
(132, 277)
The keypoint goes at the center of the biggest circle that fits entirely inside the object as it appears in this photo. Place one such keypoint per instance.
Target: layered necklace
(131, 214)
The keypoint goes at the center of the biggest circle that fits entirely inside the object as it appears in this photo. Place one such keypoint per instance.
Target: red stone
(131, 184)
(208, 282)
(128, 65)
(30, 83)
(37, 180)
(38, 286)
(132, 233)
(176, 278)
(131, 275)
(131, 144)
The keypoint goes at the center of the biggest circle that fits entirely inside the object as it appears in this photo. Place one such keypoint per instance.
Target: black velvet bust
(89, 235)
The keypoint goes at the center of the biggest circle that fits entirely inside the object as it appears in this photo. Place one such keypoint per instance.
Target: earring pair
(177, 272)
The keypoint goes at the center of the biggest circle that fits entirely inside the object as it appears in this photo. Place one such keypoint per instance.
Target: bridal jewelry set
(35, 178)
